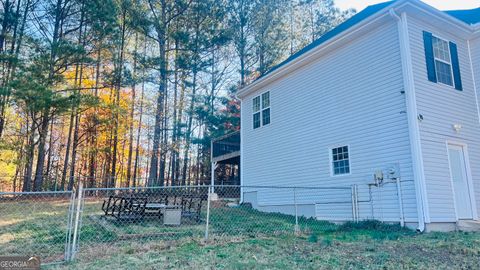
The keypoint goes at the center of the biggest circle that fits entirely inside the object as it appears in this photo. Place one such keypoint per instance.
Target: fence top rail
(215, 186)
(35, 193)
(286, 187)
(143, 188)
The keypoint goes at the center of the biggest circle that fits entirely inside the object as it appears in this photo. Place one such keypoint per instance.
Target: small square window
(340, 160)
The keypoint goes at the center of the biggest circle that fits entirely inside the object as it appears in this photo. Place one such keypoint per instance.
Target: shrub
(373, 225)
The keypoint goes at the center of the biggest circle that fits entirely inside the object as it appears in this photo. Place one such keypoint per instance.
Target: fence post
(77, 221)
(297, 228)
(68, 240)
(208, 212)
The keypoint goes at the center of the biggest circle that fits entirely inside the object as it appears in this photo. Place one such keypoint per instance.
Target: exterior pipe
(400, 202)
(414, 132)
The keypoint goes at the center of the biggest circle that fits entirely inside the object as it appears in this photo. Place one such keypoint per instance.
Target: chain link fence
(137, 217)
(36, 223)
(253, 211)
(62, 226)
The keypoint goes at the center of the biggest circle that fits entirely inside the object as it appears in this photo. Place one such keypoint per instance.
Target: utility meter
(378, 177)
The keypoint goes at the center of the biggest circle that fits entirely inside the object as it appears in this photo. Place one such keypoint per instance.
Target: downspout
(240, 168)
(475, 214)
(414, 132)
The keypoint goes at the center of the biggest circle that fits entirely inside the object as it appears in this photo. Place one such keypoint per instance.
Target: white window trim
(435, 58)
(261, 109)
(330, 158)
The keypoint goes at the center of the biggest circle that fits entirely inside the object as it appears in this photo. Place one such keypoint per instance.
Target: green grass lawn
(240, 238)
(34, 226)
(343, 248)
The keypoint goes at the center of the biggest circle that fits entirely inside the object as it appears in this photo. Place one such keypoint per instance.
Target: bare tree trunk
(117, 99)
(50, 153)
(74, 153)
(19, 167)
(164, 137)
(132, 110)
(188, 133)
(30, 149)
(93, 140)
(27, 176)
(139, 131)
(157, 130)
(67, 150)
(137, 148)
(180, 116)
(38, 181)
(78, 83)
(174, 154)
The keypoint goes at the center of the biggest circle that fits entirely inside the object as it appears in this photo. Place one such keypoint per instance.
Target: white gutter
(473, 77)
(241, 166)
(475, 214)
(459, 24)
(476, 30)
(412, 114)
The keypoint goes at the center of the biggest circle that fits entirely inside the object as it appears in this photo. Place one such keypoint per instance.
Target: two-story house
(391, 94)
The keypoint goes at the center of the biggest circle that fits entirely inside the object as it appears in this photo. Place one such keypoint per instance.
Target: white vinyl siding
(442, 108)
(338, 98)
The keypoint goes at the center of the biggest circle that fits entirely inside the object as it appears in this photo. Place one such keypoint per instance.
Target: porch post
(212, 177)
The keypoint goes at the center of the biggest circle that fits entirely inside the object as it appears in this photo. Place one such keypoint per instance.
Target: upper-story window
(442, 61)
(261, 110)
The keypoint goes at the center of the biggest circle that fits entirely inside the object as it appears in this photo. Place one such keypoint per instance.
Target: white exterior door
(459, 177)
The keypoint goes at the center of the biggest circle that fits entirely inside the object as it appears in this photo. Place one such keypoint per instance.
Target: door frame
(471, 192)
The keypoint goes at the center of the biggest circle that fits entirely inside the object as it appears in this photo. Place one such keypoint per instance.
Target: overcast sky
(439, 4)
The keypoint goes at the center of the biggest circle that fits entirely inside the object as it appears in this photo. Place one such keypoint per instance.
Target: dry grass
(241, 238)
(332, 251)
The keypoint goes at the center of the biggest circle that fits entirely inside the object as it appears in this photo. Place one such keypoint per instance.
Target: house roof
(471, 16)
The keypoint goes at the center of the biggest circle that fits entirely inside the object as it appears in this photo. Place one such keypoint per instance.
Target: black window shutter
(429, 57)
(456, 66)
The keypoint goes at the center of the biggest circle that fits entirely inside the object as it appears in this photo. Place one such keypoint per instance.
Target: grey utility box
(172, 216)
